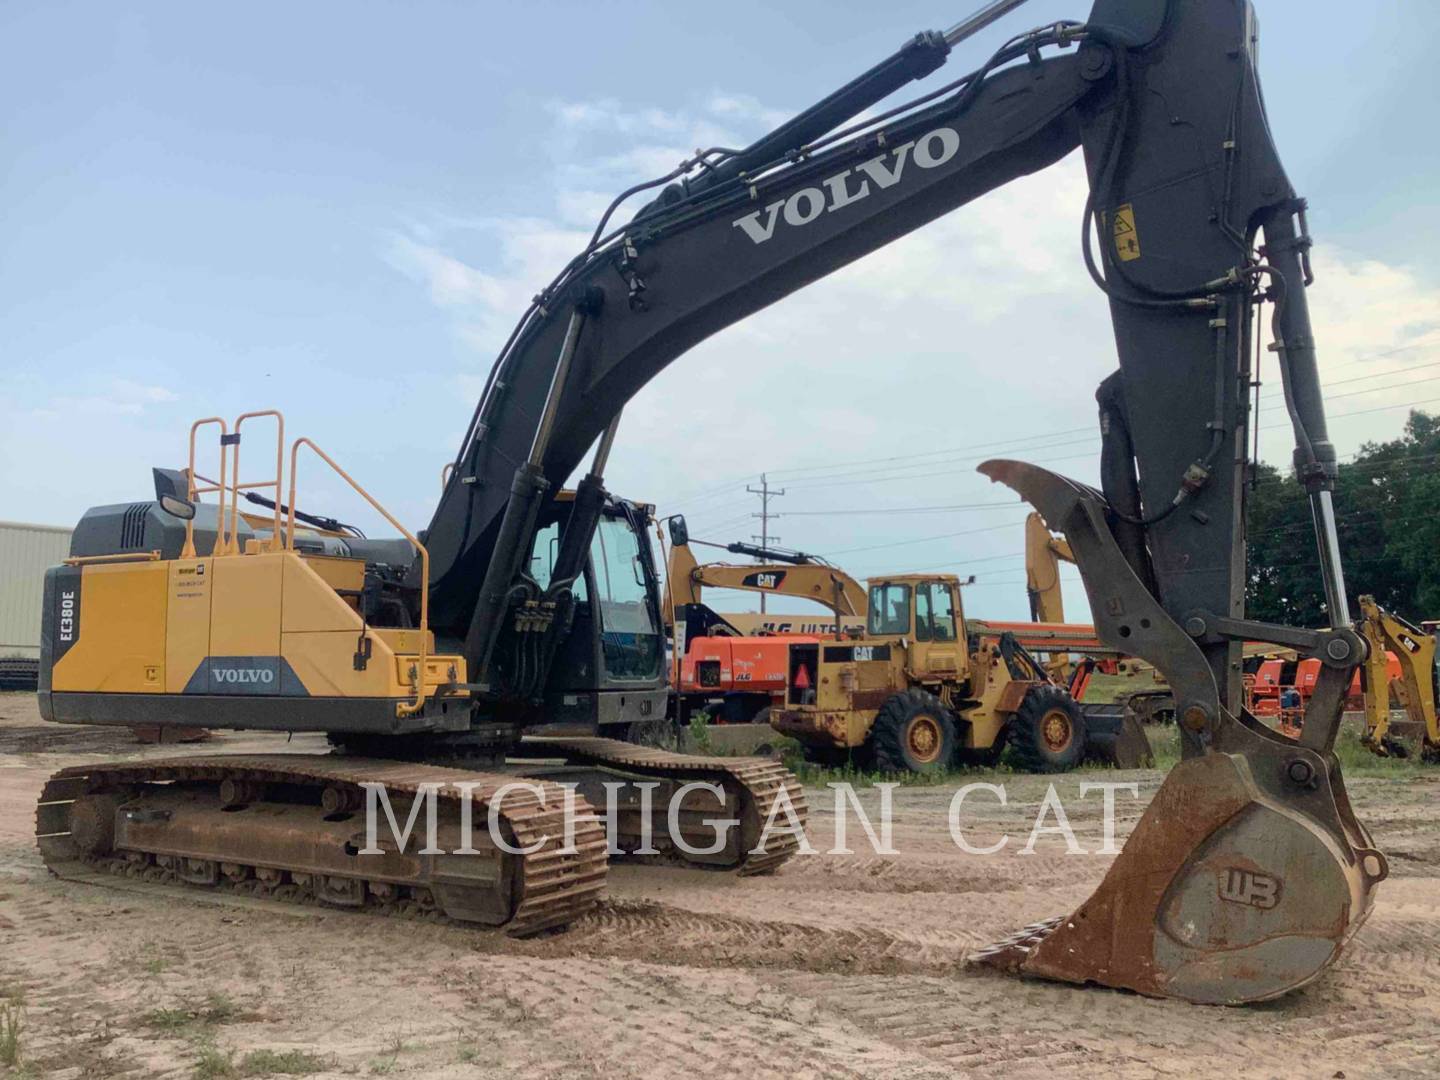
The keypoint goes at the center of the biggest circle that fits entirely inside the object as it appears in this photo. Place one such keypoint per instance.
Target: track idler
(1248, 872)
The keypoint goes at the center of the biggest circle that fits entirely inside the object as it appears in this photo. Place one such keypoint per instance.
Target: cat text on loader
(923, 690)
(1248, 872)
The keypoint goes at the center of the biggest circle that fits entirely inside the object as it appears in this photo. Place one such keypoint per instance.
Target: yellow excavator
(1044, 552)
(518, 613)
(1414, 689)
(779, 573)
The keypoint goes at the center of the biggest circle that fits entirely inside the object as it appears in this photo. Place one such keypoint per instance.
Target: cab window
(542, 560)
(889, 610)
(942, 612)
(629, 638)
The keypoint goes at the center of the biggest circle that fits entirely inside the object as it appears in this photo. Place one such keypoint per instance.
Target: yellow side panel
(325, 663)
(121, 644)
(405, 641)
(311, 604)
(337, 572)
(245, 605)
(188, 641)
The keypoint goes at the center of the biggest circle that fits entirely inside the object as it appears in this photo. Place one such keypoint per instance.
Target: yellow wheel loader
(923, 689)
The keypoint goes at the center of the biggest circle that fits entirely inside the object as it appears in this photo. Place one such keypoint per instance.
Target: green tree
(1387, 508)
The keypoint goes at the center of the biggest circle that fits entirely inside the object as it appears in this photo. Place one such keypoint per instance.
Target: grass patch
(698, 734)
(12, 1028)
(384, 1064)
(813, 775)
(279, 1063)
(213, 1063)
(168, 1019)
(1356, 759)
(216, 1009)
(1359, 760)
(217, 1063)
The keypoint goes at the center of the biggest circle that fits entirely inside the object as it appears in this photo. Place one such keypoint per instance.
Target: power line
(955, 508)
(766, 493)
(927, 539)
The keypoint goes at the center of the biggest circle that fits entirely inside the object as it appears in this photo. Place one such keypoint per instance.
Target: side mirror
(679, 534)
(172, 492)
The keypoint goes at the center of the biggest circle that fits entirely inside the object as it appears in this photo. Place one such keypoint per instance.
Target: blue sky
(339, 209)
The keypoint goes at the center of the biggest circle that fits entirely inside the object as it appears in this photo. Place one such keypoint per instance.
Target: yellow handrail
(236, 485)
(188, 551)
(403, 708)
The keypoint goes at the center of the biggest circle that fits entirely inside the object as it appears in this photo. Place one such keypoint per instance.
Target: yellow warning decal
(1127, 240)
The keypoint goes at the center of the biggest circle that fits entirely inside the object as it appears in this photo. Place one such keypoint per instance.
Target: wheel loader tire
(1047, 733)
(913, 732)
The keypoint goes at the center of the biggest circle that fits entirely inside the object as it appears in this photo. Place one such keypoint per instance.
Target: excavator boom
(799, 576)
(1043, 555)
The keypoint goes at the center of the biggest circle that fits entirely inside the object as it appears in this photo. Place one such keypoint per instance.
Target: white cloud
(121, 397)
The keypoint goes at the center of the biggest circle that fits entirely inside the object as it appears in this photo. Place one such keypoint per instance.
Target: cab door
(939, 643)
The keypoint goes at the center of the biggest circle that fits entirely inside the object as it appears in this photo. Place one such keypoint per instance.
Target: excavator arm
(1044, 553)
(799, 576)
(1249, 871)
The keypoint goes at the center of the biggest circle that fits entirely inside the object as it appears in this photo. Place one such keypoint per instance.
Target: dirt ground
(838, 966)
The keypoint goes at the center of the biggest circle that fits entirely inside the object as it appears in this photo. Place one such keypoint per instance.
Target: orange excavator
(736, 678)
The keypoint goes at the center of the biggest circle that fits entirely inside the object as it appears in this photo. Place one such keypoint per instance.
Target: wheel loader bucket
(1222, 895)
(1115, 736)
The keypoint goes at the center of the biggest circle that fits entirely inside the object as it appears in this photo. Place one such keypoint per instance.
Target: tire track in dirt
(646, 930)
(961, 875)
(632, 1017)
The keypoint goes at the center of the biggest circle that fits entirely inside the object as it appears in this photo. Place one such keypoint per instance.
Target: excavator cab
(609, 664)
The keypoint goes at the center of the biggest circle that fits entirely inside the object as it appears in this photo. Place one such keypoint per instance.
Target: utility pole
(766, 493)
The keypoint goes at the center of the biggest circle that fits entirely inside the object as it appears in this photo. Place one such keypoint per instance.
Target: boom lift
(1248, 872)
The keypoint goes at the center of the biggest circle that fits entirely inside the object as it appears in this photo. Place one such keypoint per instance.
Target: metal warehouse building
(26, 552)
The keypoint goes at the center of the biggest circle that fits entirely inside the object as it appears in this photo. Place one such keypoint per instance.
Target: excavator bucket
(1248, 872)
(1222, 895)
